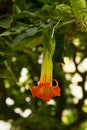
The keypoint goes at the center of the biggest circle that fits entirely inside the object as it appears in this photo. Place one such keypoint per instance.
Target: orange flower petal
(45, 91)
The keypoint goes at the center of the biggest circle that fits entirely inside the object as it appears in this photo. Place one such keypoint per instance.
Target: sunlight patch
(76, 78)
(69, 65)
(27, 99)
(4, 125)
(76, 91)
(76, 100)
(76, 41)
(40, 59)
(9, 101)
(51, 102)
(24, 113)
(24, 76)
(69, 116)
(82, 67)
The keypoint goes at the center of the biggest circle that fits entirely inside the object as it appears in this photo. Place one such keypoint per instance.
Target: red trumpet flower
(44, 90)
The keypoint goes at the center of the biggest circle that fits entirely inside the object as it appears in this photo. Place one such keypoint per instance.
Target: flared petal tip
(45, 91)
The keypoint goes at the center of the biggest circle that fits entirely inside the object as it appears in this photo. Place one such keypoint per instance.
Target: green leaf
(47, 8)
(5, 23)
(13, 31)
(27, 14)
(45, 25)
(29, 42)
(79, 9)
(30, 32)
(6, 33)
(63, 9)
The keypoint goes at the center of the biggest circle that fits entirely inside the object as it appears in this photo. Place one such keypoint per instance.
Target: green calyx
(48, 51)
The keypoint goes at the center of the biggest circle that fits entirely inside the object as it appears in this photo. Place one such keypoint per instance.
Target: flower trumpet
(44, 90)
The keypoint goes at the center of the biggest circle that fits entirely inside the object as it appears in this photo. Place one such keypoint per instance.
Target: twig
(55, 27)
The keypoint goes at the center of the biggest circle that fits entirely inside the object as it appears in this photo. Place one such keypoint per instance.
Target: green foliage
(80, 11)
(21, 47)
(83, 126)
(5, 23)
(29, 32)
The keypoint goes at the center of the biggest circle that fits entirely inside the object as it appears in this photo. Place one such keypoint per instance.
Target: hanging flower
(45, 90)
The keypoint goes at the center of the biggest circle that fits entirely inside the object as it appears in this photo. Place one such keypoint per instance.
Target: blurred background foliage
(21, 47)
